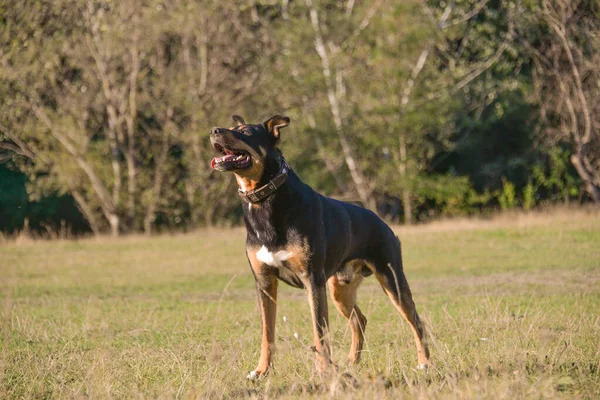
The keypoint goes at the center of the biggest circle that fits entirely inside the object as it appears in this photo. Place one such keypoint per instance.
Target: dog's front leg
(266, 286)
(317, 299)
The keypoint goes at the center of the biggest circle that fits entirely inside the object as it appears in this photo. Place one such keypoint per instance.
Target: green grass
(512, 305)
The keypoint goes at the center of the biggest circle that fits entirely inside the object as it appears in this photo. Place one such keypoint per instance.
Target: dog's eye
(246, 132)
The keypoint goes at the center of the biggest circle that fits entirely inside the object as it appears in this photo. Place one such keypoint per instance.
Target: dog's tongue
(225, 158)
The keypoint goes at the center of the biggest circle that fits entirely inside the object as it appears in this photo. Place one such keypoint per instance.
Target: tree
(562, 38)
(421, 105)
(133, 84)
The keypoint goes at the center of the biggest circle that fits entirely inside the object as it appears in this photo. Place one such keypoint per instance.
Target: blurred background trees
(416, 109)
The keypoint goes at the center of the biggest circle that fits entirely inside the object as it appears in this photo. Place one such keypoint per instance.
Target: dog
(309, 241)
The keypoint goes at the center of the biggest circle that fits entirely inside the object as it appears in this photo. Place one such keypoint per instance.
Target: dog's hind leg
(394, 284)
(343, 294)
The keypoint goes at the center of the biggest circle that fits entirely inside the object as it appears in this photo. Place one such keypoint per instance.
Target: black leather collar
(258, 195)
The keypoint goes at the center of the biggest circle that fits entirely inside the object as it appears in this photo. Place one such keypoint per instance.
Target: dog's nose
(215, 131)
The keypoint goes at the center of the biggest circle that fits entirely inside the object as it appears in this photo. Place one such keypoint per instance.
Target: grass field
(512, 305)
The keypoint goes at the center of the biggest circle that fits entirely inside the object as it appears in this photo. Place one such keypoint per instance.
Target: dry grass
(511, 304)
(583, 217)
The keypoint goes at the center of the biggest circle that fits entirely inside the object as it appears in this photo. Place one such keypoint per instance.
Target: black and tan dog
(308, 241)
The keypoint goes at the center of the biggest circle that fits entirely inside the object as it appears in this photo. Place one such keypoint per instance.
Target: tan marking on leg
(266, 285)
(406, 306)
(268, 309)
(344, 298)
(346, 274)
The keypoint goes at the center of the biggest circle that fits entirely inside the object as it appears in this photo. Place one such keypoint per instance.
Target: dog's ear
(238, 120)
(275, 123)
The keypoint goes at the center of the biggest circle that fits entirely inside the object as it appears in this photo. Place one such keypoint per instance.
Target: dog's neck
(273, 174)
(266, 220)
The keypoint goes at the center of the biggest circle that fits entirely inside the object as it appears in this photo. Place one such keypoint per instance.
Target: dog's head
(247, 149)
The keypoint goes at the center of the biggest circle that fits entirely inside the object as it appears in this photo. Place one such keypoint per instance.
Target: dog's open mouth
(230, 159)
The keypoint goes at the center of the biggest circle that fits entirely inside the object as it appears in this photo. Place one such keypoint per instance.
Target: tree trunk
(116, 165)
(148, 221)
(588, 178)
(108, 207)
(406, 93)
(131, 123)
(356, 173)
(407, 204)
(406, 195)
(131, 189)
(87, 212)
(114, 222)
(157, 187)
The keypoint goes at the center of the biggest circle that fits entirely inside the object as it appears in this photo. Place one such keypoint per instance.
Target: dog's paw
(423, 367)
(255, 375)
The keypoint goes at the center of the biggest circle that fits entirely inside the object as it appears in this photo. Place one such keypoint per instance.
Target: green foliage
(13, 199)
(52, 213)
(528, 196)
(450, 195)
(433, 104)
(557, 177)
(507, 196)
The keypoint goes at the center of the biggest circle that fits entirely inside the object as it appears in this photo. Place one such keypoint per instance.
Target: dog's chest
(287, 263)
(273, 258)
(260, 226)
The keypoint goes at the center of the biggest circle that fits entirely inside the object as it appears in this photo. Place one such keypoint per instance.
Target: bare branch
(566, 97)
(363, 25)
(349, 7)
(18, 147)
(476, 10)
(561, 33)
(421, 63)
(486, 65)
(85, 209)
(439, 23)
(413, 76)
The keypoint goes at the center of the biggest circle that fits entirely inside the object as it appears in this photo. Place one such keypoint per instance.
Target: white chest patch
(273, 259)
